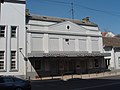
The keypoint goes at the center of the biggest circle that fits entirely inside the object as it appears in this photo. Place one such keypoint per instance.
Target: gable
(67, 26)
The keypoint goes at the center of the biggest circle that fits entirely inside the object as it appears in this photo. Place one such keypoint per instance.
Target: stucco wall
(13, 14)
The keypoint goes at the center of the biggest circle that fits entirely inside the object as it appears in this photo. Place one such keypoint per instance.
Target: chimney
(86, 19)
(27, 12)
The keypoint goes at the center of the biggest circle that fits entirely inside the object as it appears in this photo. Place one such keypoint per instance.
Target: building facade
(12, 38)
(58, 46)
(112, 45)
(42, 46)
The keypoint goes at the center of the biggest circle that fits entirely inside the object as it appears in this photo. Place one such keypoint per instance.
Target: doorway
(69, 66)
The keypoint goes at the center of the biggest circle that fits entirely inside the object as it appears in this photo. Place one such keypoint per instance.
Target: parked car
(14, 83)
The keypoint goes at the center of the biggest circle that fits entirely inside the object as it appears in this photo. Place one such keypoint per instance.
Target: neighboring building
(112, 45)
(108, 34)
(57, 46)
(12, 38)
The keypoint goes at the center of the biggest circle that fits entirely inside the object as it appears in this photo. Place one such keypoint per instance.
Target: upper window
(2, 31)
(13, 54)
(13, 31)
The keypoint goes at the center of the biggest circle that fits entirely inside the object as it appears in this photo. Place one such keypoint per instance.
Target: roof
(56, 19)
(66, 54)
(111, 41)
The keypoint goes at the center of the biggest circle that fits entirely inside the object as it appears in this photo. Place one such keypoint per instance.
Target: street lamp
(25, 59)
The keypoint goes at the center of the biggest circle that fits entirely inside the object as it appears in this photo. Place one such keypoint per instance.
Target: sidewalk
(82, 76)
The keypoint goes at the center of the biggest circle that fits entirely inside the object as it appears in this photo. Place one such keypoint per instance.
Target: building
(57, 46)
(112, 45)
(108, 34)
(42, 46)
(12, 38)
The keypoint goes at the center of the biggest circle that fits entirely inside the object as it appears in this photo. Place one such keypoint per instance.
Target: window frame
(2, 31)
(13, 59)
(14, 31)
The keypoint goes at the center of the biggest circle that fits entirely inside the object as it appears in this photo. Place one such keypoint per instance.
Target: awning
(66, 54)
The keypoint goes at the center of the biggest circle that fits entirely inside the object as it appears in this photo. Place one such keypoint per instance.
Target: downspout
(114, 57)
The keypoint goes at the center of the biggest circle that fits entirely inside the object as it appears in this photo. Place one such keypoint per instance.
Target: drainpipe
(113, 51)
(25, 59)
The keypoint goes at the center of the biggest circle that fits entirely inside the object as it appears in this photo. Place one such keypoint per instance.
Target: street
(104, 83)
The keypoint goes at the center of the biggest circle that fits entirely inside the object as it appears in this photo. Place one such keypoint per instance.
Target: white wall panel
(69, 45)
(95, 45)
(82, 45)
(53, 44)
(37, 44)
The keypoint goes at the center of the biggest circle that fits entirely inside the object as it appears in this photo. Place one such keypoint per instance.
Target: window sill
(2, 70)
(14, 70)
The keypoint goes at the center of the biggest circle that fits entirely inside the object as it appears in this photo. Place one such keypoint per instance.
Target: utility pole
(72, 10)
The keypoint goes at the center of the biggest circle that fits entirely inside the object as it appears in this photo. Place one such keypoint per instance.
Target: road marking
(96, 86)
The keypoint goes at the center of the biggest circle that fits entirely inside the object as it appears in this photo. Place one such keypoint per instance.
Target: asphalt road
(111, 83)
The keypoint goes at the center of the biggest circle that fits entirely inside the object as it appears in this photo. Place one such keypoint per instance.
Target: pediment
(67, 26)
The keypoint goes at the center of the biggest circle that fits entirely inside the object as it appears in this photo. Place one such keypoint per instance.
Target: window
(1, 60)
(68, 27)
(13, 31)
(1, 65)
(2, 31)
(13, 60)
(13, 54)
(68, 44)
(1, 54)
(13, 65)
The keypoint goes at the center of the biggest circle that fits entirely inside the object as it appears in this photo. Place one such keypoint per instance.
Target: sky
(104, 13)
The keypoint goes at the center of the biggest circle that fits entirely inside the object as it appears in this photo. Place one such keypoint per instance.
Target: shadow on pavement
(77, 84)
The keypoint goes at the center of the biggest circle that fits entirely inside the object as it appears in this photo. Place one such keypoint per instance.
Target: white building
(12, 38)
(57, 46)
(112, 45)
(53, 46)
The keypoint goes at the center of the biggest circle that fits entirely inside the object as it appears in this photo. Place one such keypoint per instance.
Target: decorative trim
(13, 70)
(67, 54)
(62, 33)
(16, 1)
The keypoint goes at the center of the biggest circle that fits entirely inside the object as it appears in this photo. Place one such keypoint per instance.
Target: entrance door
(83, 66)
(68, 66)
